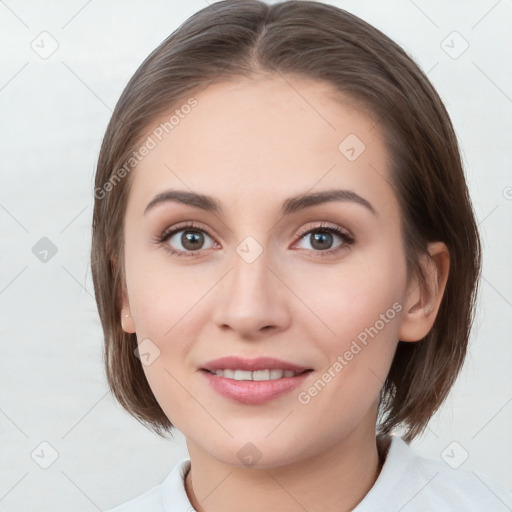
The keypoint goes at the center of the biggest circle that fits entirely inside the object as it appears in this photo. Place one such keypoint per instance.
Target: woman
(285, 260)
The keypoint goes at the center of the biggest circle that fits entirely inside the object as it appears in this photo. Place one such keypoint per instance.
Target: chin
(256, 452)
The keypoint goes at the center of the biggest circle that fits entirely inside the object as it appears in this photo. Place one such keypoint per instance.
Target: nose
(252, 299)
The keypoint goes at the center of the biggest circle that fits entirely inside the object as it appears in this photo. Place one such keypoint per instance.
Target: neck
(335, 480)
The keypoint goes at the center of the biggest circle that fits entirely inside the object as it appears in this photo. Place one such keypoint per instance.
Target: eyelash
(190, 226)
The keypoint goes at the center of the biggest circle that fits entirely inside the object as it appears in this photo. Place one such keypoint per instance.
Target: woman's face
(263, 276)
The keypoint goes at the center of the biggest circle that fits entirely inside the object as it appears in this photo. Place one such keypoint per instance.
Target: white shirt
(407, 483)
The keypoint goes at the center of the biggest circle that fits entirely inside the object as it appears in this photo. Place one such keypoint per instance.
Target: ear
(127, 322)
(423, 299)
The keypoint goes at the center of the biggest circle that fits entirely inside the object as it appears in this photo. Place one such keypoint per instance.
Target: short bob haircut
(236, 40)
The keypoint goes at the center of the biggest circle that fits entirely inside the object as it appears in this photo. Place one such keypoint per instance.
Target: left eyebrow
(296, 203)
(289, 206)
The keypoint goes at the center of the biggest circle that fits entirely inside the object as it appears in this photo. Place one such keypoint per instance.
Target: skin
(252, 144)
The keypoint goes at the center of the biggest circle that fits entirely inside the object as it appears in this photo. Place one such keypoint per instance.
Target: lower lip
(254, 392)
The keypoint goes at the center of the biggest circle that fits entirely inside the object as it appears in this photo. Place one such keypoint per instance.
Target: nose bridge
(250, 298)
(251, 277)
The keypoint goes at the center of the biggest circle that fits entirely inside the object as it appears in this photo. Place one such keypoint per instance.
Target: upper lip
(260, 363)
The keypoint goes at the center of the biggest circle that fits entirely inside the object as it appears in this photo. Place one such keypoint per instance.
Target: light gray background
(53, 115)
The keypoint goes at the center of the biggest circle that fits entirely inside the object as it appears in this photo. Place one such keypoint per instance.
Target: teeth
(256, 375)
(261, 375)
(242, 375)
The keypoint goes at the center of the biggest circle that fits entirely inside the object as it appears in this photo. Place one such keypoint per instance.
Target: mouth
(260, 364)
(257, 375)
(253, 381)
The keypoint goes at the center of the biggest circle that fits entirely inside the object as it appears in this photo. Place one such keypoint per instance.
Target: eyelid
(192, 225)
(184, 226)
(343, 233)
(327, 226)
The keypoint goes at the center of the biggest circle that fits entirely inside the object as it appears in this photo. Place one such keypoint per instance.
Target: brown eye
(322, 238)
(185, 240)
(191, 240)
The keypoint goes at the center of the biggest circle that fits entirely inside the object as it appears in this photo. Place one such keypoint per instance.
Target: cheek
(355, 297)
(167, 307)
(161, 293)
(367, 343)
(362, 309)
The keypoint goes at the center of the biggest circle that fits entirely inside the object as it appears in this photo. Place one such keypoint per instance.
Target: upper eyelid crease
(192, 226)
(347, 238)
(290, 205)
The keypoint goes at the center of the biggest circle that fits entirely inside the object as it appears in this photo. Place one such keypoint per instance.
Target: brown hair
(237, 39)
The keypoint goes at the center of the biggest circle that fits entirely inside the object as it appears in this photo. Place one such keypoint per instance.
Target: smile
(258, 375)
(255, 387)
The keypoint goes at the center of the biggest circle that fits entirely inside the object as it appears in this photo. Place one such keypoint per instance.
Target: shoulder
(411, 483)
(169, 495)
(458, 489)
(149, 501)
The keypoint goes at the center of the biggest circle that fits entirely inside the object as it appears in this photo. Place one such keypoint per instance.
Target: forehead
(250, 140)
